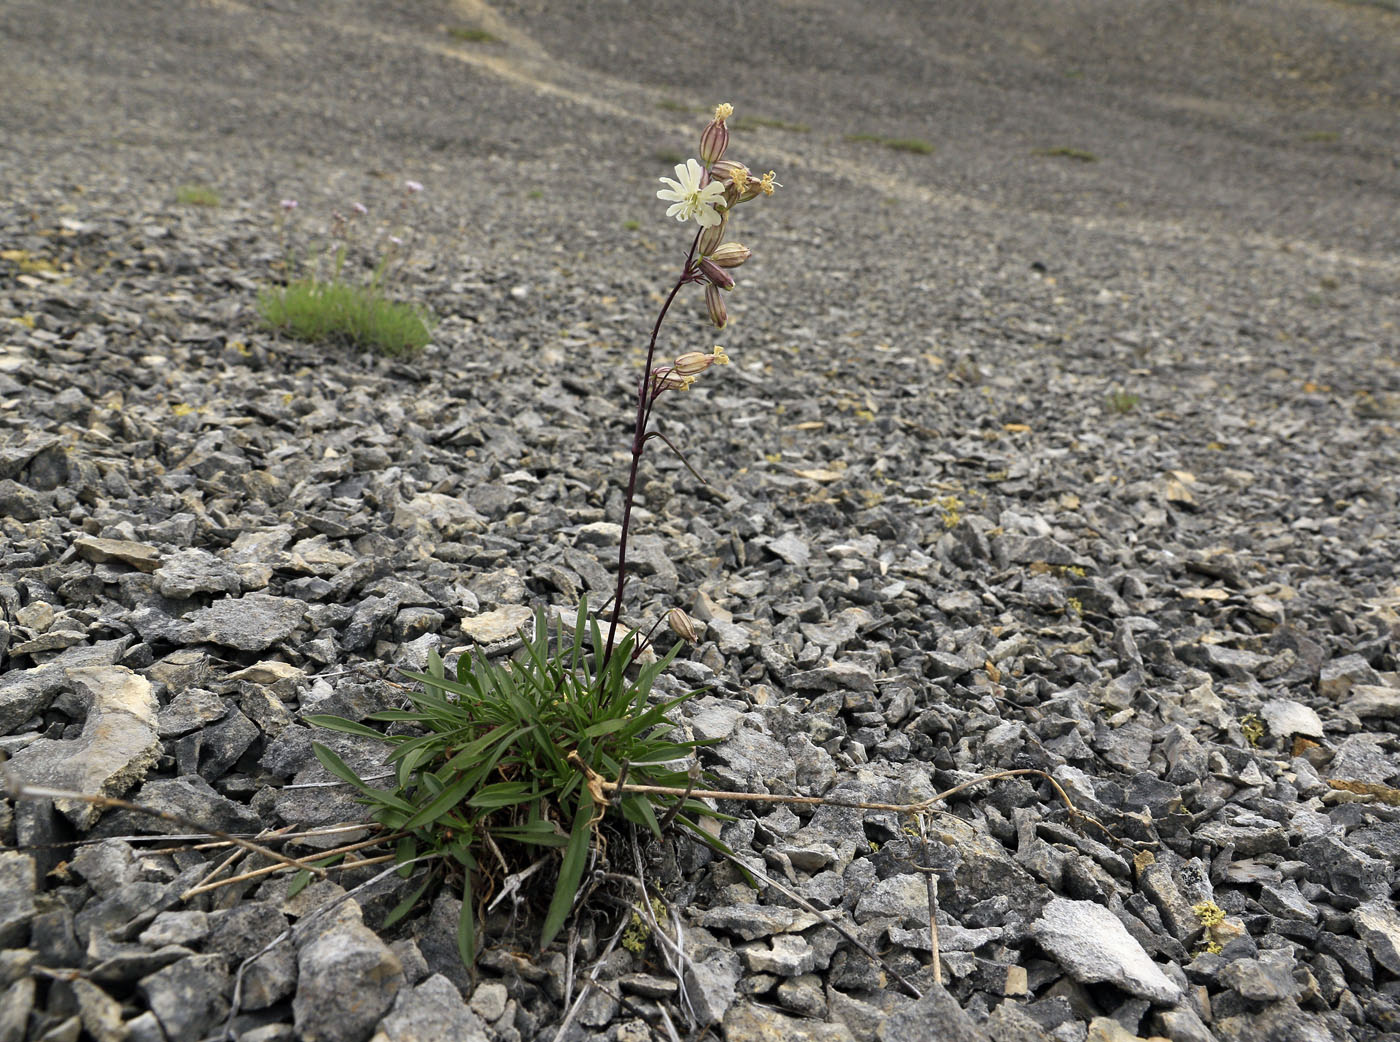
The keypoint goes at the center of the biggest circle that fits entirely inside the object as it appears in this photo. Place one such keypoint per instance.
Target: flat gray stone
(253, 622)
(116, 748)
(141, 556)
(17, 883)
(1287, 718)
(187, 573)
(1094, 947)
(901, 897)
(746, 1022)
(1379, 927)
(347, 979)
(935, 1016)
(189, 996)
(431, 1012)
(787, 955)
(1374, 701)
(492, 627)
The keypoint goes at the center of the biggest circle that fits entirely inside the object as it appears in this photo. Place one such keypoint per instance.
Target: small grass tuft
(899, 144)
(755, 122)
(469, 35)
(672, 105)
(1322, 137)
(1122, 402)
(196, 195)
(668, 155)
(339, 313)
(1079, 155)
(632, 226)
(909, 144)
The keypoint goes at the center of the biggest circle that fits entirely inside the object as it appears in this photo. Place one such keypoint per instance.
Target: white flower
(688, 199)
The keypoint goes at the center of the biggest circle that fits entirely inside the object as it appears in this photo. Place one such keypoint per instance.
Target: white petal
(706, 217)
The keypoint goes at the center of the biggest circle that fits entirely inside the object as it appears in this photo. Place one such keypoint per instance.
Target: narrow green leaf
(501, 794)
(466, 925)
(641, 811)
(539, 834)
(298, 883)
(406, 905)
(390, 715)
(617, 723)
(444, 801)
(333, 763)
(339, 723)
(404, 852)
(570, 871)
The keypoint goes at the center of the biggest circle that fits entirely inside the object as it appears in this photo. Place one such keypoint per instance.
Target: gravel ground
(1068, 445)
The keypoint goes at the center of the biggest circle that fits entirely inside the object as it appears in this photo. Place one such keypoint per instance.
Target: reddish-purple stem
(644, 402)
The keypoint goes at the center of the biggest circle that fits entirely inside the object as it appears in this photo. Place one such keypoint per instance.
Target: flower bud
(731, 171)
(730, 255)
(682, 626)
(711, 237)
(714, 139)
(717, 275)
(714, 303)
(693, 363)
(667, 379)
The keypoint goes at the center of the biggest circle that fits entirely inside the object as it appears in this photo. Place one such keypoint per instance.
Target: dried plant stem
(267, 870)
(599, 787)
(590, 981)
(18, 790)
(931, 879)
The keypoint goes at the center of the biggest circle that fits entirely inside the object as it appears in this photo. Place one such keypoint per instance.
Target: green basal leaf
(455, 687)
(473, 751)
(570, 871)
(406, 905)
(466, 924)
(435, 668)
(501, 794)
(617, 723)
(535, 833)
(408, 715)
(298, 883)
(404, 852)
(445, 800)
(333, 763)
(639, 810)
(339, 723)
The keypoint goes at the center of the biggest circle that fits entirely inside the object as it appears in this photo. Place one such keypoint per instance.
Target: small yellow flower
(767, 184)
(723, 111)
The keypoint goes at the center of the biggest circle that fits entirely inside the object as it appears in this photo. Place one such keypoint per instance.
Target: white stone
(1094, 947)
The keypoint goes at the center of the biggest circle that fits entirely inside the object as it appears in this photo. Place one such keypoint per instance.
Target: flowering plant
(499, 766)
(708, 191)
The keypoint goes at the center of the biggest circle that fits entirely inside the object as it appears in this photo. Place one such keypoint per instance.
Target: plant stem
(644, 402)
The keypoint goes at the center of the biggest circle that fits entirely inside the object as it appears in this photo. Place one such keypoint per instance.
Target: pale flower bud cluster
(680, 374)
